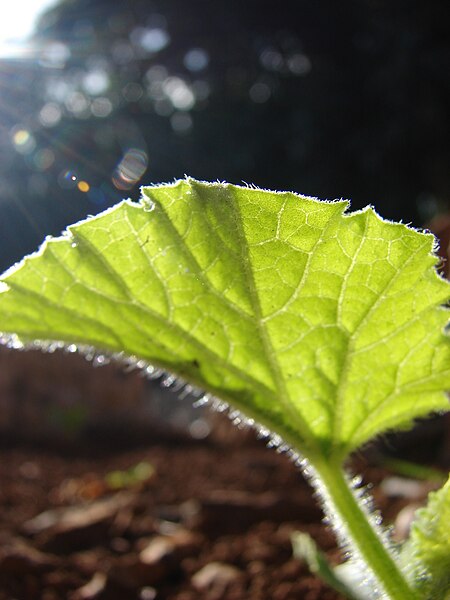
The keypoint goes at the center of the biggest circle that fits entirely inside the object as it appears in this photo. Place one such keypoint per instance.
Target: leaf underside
(324, 326)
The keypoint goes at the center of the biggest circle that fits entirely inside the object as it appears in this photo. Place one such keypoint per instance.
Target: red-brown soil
(199, 519)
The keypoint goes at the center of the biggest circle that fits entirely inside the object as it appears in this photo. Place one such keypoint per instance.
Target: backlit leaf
(324, 326)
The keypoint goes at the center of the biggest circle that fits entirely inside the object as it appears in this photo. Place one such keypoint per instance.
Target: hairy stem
(353, 525)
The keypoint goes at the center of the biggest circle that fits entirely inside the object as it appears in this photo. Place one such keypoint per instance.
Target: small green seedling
(136, 475)
(324, 328)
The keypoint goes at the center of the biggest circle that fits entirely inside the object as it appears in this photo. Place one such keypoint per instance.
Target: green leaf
(305, 548)
(324, 326)
(426, 554)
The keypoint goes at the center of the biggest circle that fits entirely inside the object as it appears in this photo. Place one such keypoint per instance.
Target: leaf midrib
(278, 379)
(213, 356)
(200, 272)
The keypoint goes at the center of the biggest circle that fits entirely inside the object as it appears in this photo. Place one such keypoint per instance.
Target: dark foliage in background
(332, 99)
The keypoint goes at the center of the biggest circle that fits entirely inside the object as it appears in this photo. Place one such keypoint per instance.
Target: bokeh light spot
(196, 59)
(23, 140)
(181, 122)
(299, 64)
(101, 107)
(199, 429)
(132, 92)
(179, 93)
(150, 39)
(55, 55)
(43, 159)
(83, 186)
(96, 82)
(57, 89)
(271, 59)
(259, 92)
(156, 73)
(77, 104)
(50, 114)
(122, 52)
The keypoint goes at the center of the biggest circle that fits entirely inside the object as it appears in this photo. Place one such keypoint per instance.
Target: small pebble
(216, 577)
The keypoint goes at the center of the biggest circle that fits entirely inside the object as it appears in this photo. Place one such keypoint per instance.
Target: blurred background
(331, 99)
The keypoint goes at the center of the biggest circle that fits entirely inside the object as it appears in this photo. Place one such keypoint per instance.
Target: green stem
(343, 508)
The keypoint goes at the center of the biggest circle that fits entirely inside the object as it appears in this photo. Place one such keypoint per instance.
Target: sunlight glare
(17, 23)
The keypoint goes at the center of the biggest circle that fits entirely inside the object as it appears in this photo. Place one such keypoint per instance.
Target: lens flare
(130, 169)
(83, 186)
(67, 180)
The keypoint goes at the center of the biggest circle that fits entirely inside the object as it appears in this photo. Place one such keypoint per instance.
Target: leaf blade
(283, 305)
